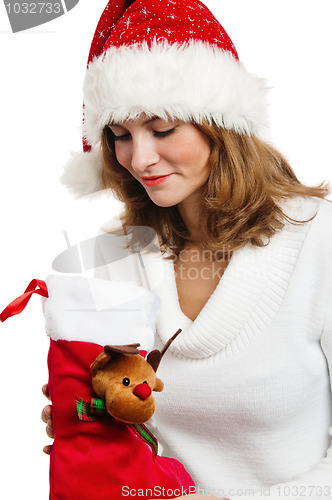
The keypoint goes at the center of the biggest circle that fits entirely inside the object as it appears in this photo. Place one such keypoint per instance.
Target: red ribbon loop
(17, 305)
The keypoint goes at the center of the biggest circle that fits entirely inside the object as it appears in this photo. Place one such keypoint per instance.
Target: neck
(189, 211)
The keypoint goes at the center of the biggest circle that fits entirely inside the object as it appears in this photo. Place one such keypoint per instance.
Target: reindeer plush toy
(123, 381)
(126, 380)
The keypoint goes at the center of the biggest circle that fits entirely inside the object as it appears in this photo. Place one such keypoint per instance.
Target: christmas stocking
(101, 458)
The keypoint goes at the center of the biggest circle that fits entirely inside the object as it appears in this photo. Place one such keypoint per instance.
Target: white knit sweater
(247, 399)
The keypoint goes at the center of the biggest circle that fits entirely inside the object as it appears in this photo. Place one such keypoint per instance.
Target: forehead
(131, 365)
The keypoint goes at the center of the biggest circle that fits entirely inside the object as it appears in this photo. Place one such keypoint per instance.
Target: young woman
(171, 126)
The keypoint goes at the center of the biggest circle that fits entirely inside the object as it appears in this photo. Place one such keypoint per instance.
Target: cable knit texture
(247, 399)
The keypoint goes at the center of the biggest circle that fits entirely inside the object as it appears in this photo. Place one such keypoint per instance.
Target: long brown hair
(240, 202)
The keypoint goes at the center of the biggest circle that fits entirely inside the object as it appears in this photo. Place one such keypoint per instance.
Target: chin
(165, 201)
(164, 204)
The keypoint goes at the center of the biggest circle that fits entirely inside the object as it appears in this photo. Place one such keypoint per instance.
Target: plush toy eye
(145, 382)
(126, 381)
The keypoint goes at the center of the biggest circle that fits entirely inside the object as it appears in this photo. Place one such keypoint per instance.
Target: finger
(47, 449)
(49, 429)
(46, 414)
(45, 391)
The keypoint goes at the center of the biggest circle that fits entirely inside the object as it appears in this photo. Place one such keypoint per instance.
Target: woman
(247, 271)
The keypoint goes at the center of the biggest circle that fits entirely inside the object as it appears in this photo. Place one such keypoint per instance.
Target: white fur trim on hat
(191, 82)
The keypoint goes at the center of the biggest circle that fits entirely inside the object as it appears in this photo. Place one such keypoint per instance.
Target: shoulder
(309, 233)
(314, 214)
(324, 213)
(111, 226)
(321, 224)
(314, 237)
(128, 254)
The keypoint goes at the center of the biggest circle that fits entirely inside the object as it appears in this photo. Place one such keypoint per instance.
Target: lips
(155, 180)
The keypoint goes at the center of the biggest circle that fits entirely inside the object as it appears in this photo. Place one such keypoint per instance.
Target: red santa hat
(167, 58)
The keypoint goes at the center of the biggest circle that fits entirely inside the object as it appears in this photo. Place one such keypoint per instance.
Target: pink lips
(155, 180)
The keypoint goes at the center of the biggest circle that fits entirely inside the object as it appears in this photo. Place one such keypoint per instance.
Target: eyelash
(125, 137)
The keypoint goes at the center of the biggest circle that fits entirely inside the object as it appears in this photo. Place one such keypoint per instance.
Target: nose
(142, 391)
(144, 154)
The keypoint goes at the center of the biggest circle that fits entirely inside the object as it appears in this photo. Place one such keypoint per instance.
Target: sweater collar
(247, 297)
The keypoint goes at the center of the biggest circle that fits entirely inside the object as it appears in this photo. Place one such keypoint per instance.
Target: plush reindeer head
(122, 377)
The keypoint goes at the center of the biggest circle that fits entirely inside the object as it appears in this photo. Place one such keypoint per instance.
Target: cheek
(193, 149)
(202, 158)
(202, 149)
(122, 154)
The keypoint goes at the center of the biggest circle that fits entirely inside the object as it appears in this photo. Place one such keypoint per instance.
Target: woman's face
(169, 158)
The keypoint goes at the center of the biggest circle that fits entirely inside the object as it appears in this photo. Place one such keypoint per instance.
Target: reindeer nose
(143, 391)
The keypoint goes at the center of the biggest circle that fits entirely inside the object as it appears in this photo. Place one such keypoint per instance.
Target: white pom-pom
(82, 173)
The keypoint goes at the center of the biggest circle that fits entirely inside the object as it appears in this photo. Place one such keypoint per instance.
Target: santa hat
(166, 58)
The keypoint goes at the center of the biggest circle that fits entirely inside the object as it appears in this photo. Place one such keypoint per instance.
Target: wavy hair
(240, 202)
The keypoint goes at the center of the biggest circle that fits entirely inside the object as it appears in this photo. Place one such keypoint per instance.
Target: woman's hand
(46, 417)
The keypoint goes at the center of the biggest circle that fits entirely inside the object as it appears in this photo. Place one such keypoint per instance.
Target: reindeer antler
(154, 357)
(122, 349)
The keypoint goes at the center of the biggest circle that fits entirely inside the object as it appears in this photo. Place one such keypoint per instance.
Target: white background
(288, 42)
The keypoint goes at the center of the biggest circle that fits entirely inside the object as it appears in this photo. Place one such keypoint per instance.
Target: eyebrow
(149, 120)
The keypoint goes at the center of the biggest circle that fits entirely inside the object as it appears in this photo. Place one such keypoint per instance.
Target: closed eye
(156, 133)
(165, 133)
(124, 137)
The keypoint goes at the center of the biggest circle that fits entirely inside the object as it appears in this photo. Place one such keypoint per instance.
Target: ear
(158, 385)
(153, 358)
(99, 363)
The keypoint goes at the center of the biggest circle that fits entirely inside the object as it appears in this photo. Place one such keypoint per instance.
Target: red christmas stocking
(101, 459)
